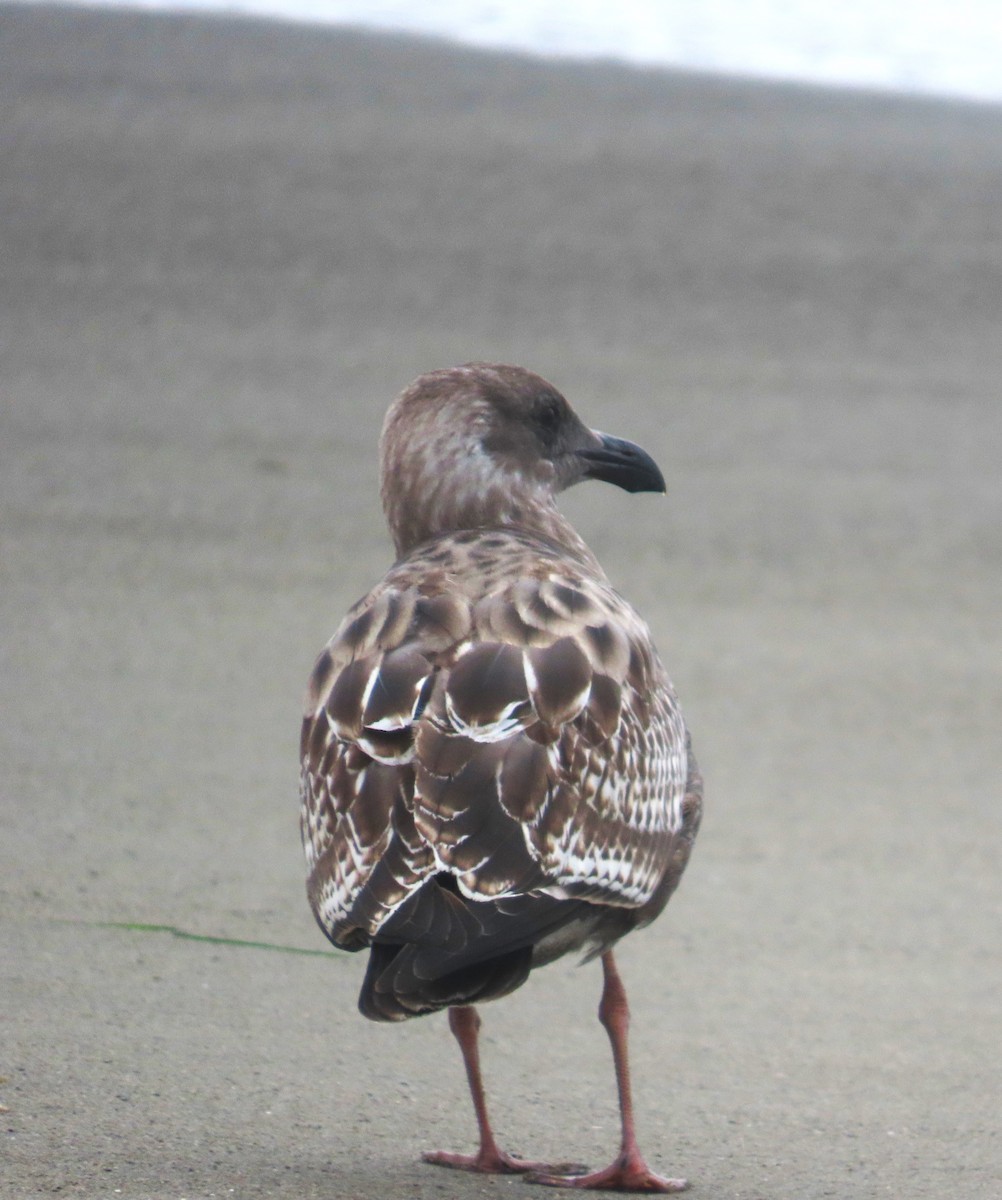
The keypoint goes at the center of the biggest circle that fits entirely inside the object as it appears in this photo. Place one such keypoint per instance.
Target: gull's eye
(548, 414)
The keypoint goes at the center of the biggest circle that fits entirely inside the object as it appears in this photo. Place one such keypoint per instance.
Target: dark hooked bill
(615, 460)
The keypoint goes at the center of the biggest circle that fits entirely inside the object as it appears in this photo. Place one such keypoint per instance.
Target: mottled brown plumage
(495, 771)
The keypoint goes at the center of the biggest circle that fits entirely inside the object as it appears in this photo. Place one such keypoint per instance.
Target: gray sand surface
(224, 246)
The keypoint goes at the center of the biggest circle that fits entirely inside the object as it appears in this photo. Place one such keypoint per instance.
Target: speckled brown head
(489, 446)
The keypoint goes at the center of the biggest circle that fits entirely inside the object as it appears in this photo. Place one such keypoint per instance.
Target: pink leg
(628, 1172)
(464, 1021)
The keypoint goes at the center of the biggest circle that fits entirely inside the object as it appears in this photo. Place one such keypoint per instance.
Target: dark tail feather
(440, 949)
(396, 986)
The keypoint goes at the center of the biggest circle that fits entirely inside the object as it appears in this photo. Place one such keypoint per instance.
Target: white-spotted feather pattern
(493, 712)
(602, 797)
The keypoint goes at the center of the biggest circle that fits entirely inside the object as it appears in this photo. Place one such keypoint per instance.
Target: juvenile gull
(495, 771)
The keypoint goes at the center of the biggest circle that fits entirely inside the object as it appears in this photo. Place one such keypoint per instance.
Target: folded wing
(486, 770)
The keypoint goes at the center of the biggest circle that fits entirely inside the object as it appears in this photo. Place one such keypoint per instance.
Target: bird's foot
(629, 1173)
(493, 1161)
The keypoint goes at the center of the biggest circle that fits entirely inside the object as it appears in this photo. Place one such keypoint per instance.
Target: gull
(495, 770)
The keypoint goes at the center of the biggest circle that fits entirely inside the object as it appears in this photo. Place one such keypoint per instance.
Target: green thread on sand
(174, 931)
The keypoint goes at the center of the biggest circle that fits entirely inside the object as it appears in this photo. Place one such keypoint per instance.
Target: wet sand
(225, 246)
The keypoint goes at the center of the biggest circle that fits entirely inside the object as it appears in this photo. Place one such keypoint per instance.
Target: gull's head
(485, 445)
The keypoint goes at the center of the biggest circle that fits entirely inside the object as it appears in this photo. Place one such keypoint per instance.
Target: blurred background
(225, 244)
(937, 47)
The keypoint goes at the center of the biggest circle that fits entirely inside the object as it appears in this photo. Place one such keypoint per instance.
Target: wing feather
(513, 732)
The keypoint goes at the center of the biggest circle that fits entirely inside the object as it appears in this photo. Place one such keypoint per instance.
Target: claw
(626, 1174)
(497, 1162)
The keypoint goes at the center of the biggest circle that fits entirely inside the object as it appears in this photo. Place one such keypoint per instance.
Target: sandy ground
(225, 246)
